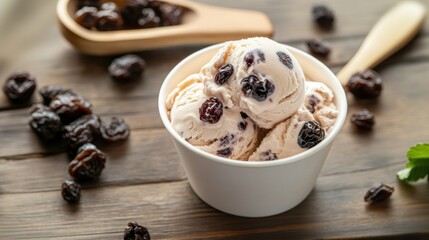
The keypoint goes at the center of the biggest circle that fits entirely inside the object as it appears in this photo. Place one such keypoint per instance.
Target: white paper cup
(252, 189)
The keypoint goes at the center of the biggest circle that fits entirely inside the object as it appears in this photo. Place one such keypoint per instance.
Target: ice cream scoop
(204, 122)
(257, 75)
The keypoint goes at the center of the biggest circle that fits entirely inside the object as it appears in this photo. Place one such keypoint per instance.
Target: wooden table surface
(143, 179)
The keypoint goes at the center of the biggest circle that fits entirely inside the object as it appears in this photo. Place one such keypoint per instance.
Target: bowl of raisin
(252, 188)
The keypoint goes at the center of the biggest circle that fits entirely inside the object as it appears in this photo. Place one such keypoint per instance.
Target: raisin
(318, 47)
(148, 19)
(312, 103)
(249, 58)
(226, 140)
(70, 190)
(268, 156)
(310, 134)
(225, 152)
(45, 123)
(257, 89)
(211, 110)
(114, 129)
(132, 10)
(87, 3)
(323, 16)
(365, 85)
(81, 131)
(170, 14)
(224, 74)
(88, 164)
(39, 108)
(364, 119)
(110, 6)
(126, 68)
(378, 193)
(285, 59)
(86, 17)
(70, 107)
(108, 20)
(134, 231)
(51, 91)
(242, 125)
(244, 115)
(19, 87)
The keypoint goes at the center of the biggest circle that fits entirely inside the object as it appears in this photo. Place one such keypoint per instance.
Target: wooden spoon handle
(395, 29)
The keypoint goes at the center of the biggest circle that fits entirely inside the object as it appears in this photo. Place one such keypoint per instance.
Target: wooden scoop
(202, 24)
(393, 31)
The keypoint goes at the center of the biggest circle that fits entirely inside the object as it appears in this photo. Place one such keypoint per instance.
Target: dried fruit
(285, 59)
(126, 68)
(132, 10)
(378, 193)
(250, 57)
(224, 74)
(88, 164)
(86, 17)
(258, 89)
(39, 108)
(110, 6)
(365, 85)
(81, 131)
(170, 14)
(225, 152)
(134, 231)
(310, 134)
(108, 20)
(148, 19)
(70, 190)
(51, 91)
(19, 87)
(242, 125)
(211, 110)
(318, 47)
(268, 156)
(323, 16)
(45, 123)
(70, 107)
(364, 119)
(114, 129)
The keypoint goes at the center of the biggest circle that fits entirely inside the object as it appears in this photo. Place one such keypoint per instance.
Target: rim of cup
(337, 88)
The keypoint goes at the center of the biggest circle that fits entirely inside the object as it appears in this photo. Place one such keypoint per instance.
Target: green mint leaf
(418, 152)
(412, 174)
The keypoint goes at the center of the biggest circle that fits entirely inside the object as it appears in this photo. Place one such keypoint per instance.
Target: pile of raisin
(135, 14)
(67, 116)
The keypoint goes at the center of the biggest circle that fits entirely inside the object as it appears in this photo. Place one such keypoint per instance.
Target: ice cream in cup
(253, 122)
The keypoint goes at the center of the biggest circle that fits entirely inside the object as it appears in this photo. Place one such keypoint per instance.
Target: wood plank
(148, 156)
(171, 211)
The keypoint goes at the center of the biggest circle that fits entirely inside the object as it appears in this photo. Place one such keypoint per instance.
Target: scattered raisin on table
(364, 119)
(134, 231)
(70, 190)
(108, 20)
(70, 107)
(318, 47)
(114, 129)
(86, 17)
(51, 91)
(126, 68)
(81, 131)
(88, 164)
(365, 85)
(45, 123)
(211, 110)
(310, 134)
(223, 74)
(323, 16)
(258, 89)
(378, 193)
(19, 87)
